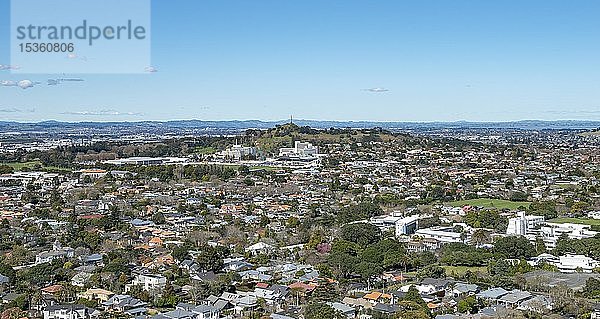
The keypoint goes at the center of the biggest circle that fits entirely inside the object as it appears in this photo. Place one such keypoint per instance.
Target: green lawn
(18, 166)
(461, 270)
(490, 203)
(584, 221)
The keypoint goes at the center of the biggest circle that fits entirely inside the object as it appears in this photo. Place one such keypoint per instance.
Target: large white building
(407, 225)
(534, 227)
(442, 234)
(568, 263)
(238, 152)
(147, 161)
(550, 232)
(523, 224)
(300, 149)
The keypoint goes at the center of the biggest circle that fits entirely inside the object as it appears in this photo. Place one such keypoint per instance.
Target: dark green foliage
(361, 233)
(432, 271)
(487, 218)
(5, 169)
(211, 258)
(458, 254)
(514, 247)
(363, 210)
(321, 311)
(546, 209)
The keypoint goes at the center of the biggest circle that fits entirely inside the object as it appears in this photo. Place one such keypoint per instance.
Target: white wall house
(149, 282)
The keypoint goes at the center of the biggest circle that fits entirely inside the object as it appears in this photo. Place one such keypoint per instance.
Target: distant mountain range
(247, 124)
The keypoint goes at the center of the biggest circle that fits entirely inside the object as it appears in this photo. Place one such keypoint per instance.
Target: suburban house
(148, 282)
(70, 312)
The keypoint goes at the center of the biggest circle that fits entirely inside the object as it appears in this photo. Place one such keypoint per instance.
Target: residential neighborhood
(300, 223)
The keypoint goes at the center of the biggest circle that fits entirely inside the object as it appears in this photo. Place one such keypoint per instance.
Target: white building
(238, 152)
(147, 161)
(407, 225)
(148, 282)
(260, 248)
(573, 263)
(550, 232)
(567, 263)
(57, 252)
(594, 215)
(523, 224)
(300, 149)
(70, 312)
(442, 234)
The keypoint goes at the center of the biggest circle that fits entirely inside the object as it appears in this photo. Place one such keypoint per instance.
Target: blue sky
(268, 59)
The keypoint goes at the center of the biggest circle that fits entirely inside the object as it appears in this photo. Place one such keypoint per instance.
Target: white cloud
(16, 110)
(108, 112)
(54, 82)
(377, 90)
(8, 67)
(150, 69)
(8, 83)
(24, 84)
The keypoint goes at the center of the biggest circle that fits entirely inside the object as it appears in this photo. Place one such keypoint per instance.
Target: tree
(480, 236)
(540, 246)
(468, 305)
(211, 258)
(412, 310)
(592, 288)
(361, 233)
(158, 218)
(321, 311)
(413, 295)
(363, 210)
(432, 271)
(514, 247)
(5, 169)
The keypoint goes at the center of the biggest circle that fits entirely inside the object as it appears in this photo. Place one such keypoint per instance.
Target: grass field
(584, 221)
(591, 133)
(18, 166)
(491, 203)
(461, 270)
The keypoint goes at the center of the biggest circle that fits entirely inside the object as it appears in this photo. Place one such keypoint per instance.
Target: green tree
(468, 305)
(211, 258)
(514, 247)
(158, 218)
(321, 311)
(363, 234)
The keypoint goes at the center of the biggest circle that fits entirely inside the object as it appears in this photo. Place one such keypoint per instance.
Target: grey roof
(179, 314)
(466, 287)
(385, 308)
(515, 296)
(438, 283)
(341, 307)
(205, 309)
(492, 293)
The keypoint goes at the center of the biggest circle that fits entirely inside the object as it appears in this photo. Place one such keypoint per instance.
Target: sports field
(490, 203)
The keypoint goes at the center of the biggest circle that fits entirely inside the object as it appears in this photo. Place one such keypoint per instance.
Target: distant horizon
(284, 121)
(420, 61)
